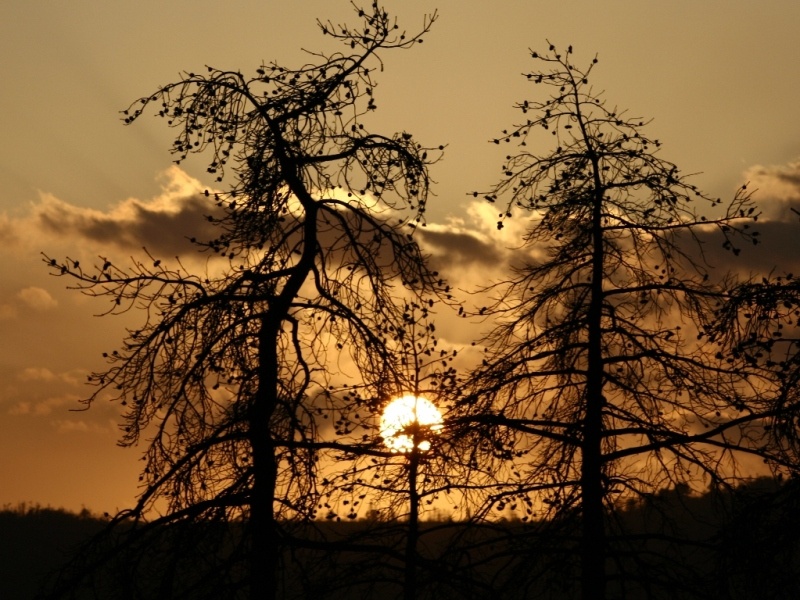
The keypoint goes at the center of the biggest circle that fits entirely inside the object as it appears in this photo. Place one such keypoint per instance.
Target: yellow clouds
(106, 428)
(777, 195)
(37, 298)
(778, 189)
(45, 406)
(36, 374)
(41, 398)
(471, 251)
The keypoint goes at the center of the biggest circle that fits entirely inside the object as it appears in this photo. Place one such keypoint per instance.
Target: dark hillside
(721, 545)
(34, 541)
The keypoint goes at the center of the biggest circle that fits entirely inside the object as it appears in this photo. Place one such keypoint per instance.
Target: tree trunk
(265, 553)
(592, 550)
(410, 583)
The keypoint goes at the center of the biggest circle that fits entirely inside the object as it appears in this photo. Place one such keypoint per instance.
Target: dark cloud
(163, 229)
(473, 256)
(789, 174)
(777, 197)
(458, 248)
(777, 251)
(777, 190)
(790, 177)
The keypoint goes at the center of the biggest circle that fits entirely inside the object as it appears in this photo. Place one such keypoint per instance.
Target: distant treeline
(726, 544)
(35, 541)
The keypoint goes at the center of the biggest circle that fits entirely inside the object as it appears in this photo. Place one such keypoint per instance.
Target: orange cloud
(36, 374)
(778, 189)
(37, 298)
(44, 407)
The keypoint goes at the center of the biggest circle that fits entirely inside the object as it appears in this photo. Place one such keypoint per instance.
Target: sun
(407, 417)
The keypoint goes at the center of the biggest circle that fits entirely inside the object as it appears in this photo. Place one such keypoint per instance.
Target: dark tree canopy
(605, 376)
(235, 375)
(759, 322)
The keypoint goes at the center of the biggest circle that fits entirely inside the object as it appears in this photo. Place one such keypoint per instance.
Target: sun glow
(408, 419)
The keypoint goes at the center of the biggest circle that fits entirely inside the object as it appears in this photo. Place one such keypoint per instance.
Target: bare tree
(759, 322)
(418, 467)
(605, 378)
(228, 380)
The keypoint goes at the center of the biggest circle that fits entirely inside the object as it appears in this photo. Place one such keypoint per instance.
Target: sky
(719, 81)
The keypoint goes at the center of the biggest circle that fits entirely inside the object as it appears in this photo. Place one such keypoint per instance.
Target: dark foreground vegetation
(727, 544)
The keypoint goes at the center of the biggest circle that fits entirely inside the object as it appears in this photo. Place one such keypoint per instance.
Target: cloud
(472, 252)
(8, 234)
(459, 247)
(33, 297)
(777, 196)
(162, 224)
(75, 377)
(470, 249)
(45, 406)
(36, 374)
(83, 426)
(37, 298)
(777, 252)
(778, 189)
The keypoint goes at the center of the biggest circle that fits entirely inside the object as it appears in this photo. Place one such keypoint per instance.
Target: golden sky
(720, 81)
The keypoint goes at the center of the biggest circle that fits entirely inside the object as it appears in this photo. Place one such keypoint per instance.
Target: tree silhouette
(605, 377)
(234, 375)
(759, 321)
(419, 468)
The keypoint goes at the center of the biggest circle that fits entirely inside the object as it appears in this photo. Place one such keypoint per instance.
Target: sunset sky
(721, 82)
